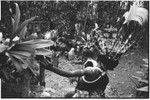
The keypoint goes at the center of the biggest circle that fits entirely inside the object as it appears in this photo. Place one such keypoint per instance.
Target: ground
(121, 83)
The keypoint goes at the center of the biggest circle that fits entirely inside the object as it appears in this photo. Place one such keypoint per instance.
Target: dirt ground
(121, 83)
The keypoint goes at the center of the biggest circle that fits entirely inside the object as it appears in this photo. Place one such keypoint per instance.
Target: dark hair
(89, 64)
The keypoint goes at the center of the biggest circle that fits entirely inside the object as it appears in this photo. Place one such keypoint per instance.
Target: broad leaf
(43, 52)
(22, 47)
(16, 18)
(23, 33)
(33, 66)
(13, 22)
(23, 25)
(21, 53)
(22, 62)
(39, 43)
(21, 58)
(17, 64)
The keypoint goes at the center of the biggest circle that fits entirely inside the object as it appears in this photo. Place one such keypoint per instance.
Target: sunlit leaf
(13, 22)
(43, 52)
(16, 18)
(23, 33)
(3, 47)
(39, 43)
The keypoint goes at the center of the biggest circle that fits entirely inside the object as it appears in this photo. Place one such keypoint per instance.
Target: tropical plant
(22, 53)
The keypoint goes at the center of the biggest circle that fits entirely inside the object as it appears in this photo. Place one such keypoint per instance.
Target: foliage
(20, 52)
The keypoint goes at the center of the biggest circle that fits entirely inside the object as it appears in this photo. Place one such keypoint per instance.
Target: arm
(77, 73)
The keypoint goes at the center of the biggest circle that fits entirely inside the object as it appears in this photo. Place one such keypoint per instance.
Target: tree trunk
(26, 84)
(42, 76)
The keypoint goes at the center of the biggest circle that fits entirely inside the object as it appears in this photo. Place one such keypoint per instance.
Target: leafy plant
(20, 52)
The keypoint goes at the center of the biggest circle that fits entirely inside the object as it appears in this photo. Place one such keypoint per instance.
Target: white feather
(138, 14)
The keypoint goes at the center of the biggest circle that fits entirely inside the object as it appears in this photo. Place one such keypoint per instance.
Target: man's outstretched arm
(50, 67)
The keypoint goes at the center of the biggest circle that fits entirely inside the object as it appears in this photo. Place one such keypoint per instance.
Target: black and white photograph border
(59, 49)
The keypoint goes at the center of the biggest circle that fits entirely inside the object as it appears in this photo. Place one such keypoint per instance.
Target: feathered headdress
(138, 14)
